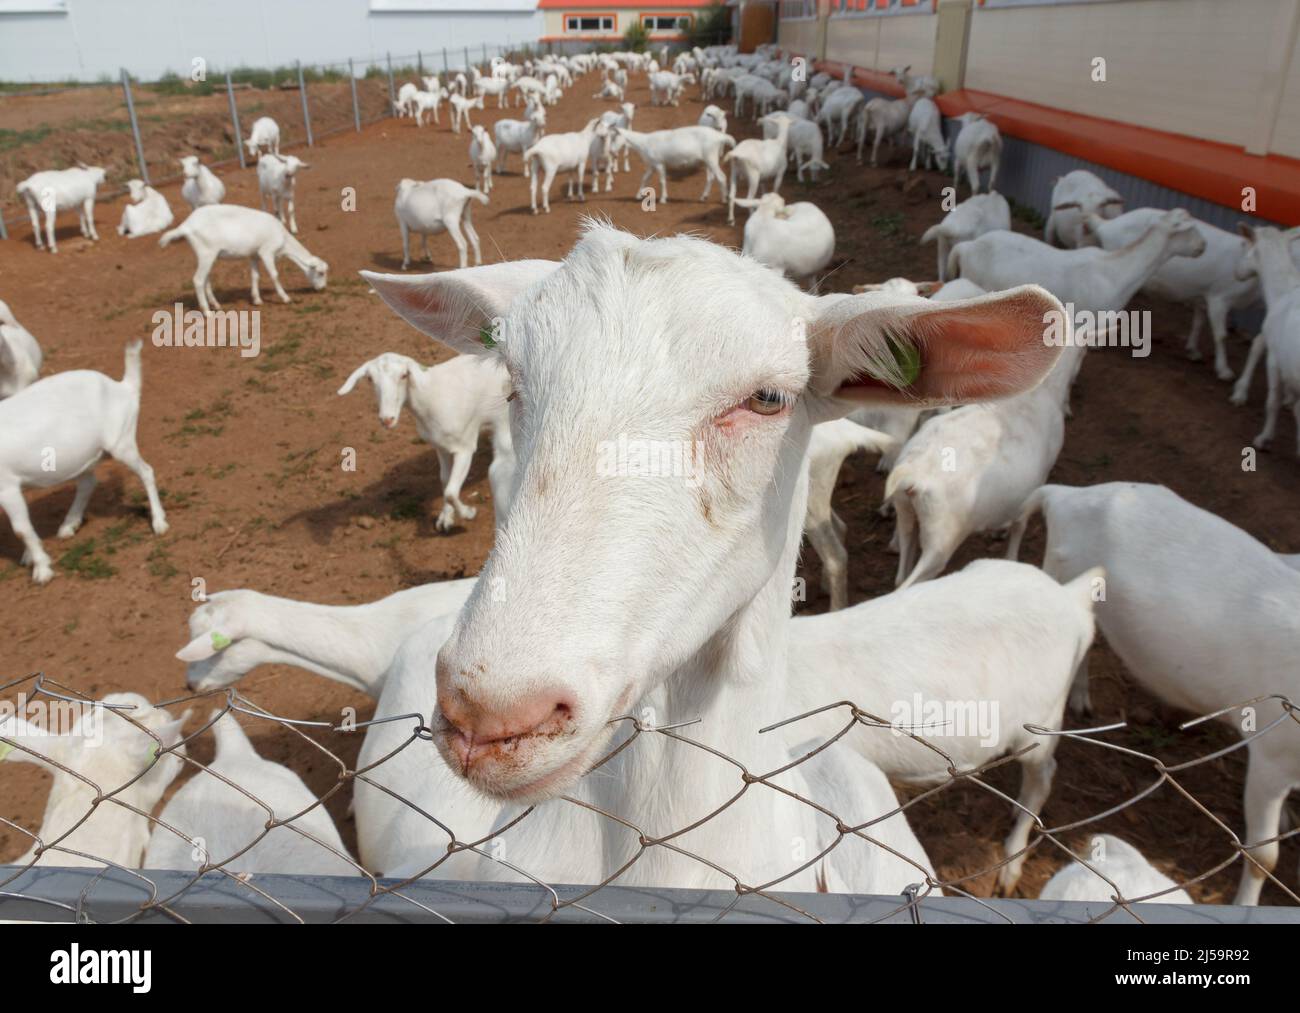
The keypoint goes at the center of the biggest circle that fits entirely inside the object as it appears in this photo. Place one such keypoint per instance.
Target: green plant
(636, 38)
(711, 28)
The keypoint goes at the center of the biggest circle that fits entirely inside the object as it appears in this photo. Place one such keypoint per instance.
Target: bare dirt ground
(248, 456)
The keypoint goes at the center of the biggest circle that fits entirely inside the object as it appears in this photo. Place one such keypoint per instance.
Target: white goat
(222, 826)
(681, 149)
(1209, 281)
(666, 87)
(431, 207)
(497, 86)
(713, 117)
(201, 186)
(605, 151)
(1089, 278)
(978, 147)
(428, 101)
(828, 445)
(234, 632)
(1022, 638)
(970, 470)
(759, 160)
(919, 84)
(404, 104)
(147, 213)
(1115, 865)
(926, 124)
(55, 431)
(20, 354)
(451, 403)
(276, 175)
(1202, 615)
(265, 136)
(796, 239)
(122, 757)
(836, 111)
(886, 118)
(519, 135)
(556, 153)
(228, 231)
(482, 156)
(804, 141)
(969, 220)
(58, 190)
(1268, 257)
(515, 734)
(460, 107)
(1076, 195)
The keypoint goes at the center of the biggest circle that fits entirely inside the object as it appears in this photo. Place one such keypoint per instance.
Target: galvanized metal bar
(356, 106)
(234, 119)
(135, 126)
(306, 112)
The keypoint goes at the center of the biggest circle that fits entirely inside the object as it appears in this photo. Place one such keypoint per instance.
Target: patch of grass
(160, 564)
(889, 225)
(209, 421)
(281, 354)
(410, 508)
(10, 139)
(1026, 214)
(82, 561)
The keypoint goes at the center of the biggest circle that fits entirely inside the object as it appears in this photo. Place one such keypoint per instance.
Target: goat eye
(511, 396)
(766, 402)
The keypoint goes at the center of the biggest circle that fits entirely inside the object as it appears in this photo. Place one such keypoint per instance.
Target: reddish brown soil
(248, 456)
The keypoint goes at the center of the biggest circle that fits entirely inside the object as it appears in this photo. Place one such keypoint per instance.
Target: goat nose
(388, 421)
(477, 730)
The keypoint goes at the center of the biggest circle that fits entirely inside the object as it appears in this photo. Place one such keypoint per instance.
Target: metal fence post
(135, 126)
(234, 119)
(3, 232)
(485, 59)
(306, 113)
(356, 109)
(466, 67)
(419, 62)
(392, 96)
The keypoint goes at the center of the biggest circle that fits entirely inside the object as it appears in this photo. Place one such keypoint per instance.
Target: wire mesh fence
(140, 129)
(87, 808)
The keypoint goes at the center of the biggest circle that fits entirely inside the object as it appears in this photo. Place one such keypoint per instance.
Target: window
(596, 23)
(791, 9)
(665, 23)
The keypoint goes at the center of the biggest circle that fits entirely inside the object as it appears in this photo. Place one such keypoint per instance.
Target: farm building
(575, 24)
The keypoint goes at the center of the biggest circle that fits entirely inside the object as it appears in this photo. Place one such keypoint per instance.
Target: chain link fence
(217, 889)
(140, 129)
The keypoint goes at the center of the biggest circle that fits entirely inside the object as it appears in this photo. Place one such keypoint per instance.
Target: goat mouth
(500, 768)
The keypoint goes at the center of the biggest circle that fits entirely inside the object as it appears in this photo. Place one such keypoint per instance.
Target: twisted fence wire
(928, 884)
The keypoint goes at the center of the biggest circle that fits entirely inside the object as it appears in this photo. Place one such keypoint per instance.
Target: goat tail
(933, 233)
(131, 372)
(231, 740)
(479, 196)
(894, 484)
(24, 189)
(728, 140)
(172, 235)
(1086, 585)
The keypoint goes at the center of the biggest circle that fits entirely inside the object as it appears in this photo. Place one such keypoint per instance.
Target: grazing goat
(519, 135)
(460, 107)
(1113, 866)
(759, 161)
(147, 213)
(1201, 614)
(451, 403)
(428, 101)
(435, 206)
(886, 118)
(228, 231)
(110, 769)
(1076, 195)
(58, 190)
(20, 354)
(521, 716)
(265, 136)
(219, 818)
(276, 176)
(55, 431)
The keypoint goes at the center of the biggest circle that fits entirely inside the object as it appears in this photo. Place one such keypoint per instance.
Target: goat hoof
(42, 574)
(1261, 442)
(160, 527)
(1224, 374)
(67, 531)
(1194, 356)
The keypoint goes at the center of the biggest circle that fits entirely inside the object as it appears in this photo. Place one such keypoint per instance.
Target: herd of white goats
(608, 597)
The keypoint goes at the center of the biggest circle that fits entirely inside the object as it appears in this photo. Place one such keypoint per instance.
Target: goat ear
(458, 307)
(354, 379)
(204, 646)
(880, 348)
(1066, 206)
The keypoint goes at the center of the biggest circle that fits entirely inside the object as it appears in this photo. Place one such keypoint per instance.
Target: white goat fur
(201, 186)
(1122, 864)
(969, 220)
(20, 354)
(57, 430)
(58, 190)
(147, 213)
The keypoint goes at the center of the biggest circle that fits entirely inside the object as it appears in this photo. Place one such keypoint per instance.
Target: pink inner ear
(975, 351)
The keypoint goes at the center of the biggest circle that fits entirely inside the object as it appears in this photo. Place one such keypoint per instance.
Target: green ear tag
(908, 360)
(5, 749)
(220, 641)
(485, 336)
